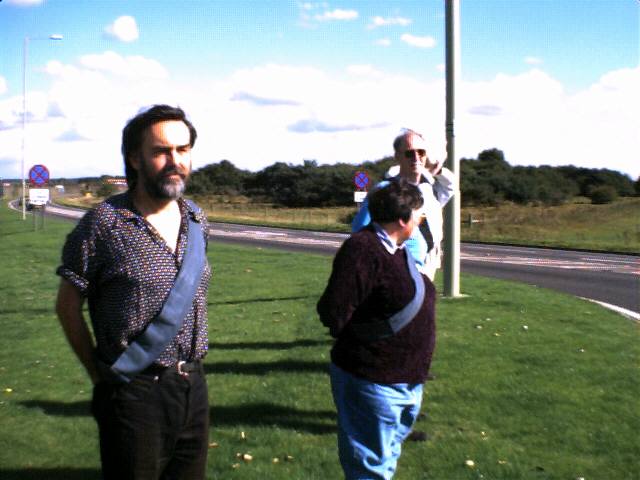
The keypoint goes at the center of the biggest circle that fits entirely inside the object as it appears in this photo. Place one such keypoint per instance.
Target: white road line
(274, 237)
(622, 311)
(564, 264)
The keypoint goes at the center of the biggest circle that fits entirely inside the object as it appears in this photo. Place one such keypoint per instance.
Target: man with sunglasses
(437, 185)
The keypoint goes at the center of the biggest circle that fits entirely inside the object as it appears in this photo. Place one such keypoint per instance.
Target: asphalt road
(613, 279)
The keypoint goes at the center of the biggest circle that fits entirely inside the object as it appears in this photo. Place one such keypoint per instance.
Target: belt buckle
(180, 371)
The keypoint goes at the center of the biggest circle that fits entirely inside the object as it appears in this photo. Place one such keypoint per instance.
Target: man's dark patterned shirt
(125, 269)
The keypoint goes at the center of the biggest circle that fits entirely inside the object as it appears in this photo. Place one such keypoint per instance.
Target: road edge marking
(622, 311)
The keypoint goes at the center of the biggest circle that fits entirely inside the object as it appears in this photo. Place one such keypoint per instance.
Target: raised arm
(444, 186)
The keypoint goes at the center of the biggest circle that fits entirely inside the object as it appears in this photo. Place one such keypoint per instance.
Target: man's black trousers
(154, 428)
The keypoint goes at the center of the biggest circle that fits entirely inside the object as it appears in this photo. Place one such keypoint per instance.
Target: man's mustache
(165, 172)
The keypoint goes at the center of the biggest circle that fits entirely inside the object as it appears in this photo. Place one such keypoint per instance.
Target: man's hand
(434, 167)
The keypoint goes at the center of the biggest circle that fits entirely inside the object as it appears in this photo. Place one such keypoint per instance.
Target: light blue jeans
(373, 421)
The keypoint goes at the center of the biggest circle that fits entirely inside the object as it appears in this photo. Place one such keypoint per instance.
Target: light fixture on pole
(25, 53)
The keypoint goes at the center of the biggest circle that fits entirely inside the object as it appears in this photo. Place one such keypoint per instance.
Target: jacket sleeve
(362, 218)
(444, 186)
(349, 285)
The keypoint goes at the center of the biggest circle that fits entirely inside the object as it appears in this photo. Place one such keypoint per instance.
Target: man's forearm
(69, 310)
(81, 342)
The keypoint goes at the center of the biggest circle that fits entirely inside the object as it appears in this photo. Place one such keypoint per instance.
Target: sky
(548, 82)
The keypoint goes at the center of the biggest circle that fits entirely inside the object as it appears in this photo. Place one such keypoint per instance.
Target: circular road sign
(361, 179)
(38, 175)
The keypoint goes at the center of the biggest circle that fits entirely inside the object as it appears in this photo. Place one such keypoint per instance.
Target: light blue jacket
(436, 192)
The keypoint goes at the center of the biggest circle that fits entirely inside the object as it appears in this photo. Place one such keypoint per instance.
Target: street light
(452, 209)
(25, 52)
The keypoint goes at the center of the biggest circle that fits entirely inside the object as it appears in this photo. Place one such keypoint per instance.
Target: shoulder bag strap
(372, 331)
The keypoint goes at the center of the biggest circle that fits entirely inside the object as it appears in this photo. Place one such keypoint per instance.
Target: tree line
(485, 180)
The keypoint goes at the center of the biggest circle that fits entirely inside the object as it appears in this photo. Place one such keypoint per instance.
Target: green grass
(610, 227)
(558, 400)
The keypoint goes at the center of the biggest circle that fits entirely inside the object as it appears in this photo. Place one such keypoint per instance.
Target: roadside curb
(631, 315)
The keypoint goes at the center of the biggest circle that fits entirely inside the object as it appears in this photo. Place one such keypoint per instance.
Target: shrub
(603, 194)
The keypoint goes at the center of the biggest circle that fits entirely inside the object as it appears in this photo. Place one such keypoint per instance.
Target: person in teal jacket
(437, 185)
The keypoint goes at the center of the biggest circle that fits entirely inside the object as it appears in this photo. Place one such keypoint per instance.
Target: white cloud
(309, 6)
(383, 42)
(3, 85)
(337, 14)
(25, 3)
(132, 67)
(420, 42)
(124, 29)
(535, 121)
(364, 71)
(71, 135)
(257, 116)
(381, 22)
(533, 61)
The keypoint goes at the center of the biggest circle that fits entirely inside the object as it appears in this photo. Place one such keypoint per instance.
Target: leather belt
(182, 368)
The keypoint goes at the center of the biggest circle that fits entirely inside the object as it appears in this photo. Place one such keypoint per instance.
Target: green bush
(603, 194)
(106, 190)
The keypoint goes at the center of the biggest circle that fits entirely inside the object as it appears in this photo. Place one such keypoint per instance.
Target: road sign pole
(25, 49)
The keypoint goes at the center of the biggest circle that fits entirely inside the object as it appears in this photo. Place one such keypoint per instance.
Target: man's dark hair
(394, 201)
(133, 133)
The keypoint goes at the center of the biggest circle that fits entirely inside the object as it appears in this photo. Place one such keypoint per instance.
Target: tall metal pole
(25, 54)
(25, 49)
(452, 210)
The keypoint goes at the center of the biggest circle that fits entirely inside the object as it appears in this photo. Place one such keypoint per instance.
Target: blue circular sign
(361, 179)
(38, 175)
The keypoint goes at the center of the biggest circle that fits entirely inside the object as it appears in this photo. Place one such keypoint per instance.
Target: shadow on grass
(263, 300)
(268, 345)
(50, 474)
(265, 368)
(31, 310)
(75, 409)
(265, 414)
(268, 414)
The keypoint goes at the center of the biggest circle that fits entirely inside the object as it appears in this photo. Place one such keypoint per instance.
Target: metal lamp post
(25, 53)
(452, 210)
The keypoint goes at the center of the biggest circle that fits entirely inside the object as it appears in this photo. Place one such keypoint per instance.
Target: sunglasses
(410, 153)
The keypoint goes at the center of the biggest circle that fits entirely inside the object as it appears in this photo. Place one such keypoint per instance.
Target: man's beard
(161, 187)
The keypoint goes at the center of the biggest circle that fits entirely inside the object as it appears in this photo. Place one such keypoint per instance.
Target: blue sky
(547, 81)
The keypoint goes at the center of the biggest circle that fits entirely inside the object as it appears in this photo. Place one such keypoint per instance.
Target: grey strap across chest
(148, 346)
(372, 331)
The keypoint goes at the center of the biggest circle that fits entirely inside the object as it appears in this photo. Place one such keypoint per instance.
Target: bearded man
(139, 259)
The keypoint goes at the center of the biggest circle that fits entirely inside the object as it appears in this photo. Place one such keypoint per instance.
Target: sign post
(361, 181)
(39, 196)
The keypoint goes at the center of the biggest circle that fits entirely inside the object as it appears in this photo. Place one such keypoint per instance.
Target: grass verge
(557, 400)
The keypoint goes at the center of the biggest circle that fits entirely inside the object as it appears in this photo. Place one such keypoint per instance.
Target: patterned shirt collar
(125, 206)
